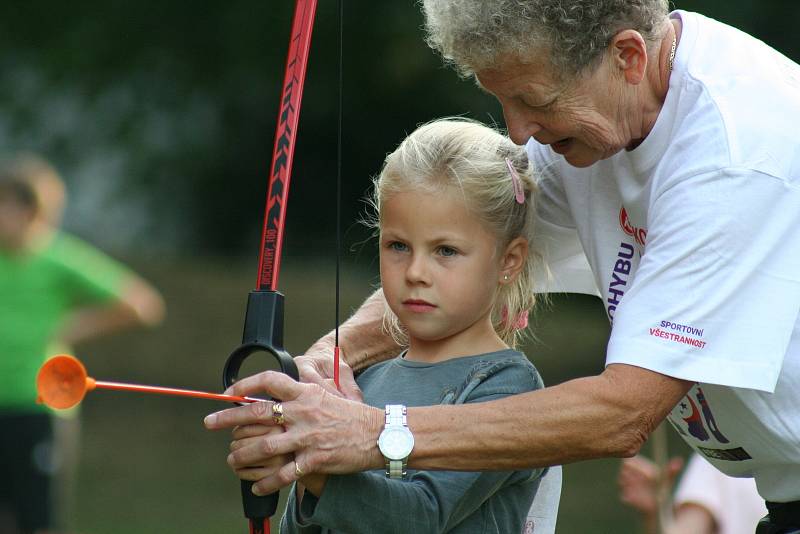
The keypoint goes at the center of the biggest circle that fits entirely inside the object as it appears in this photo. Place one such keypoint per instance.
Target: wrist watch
(396, 441)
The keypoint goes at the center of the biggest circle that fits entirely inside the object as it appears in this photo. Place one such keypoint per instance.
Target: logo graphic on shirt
(700, 424)
(638, 234)
(619, 278)
(676, 333)
(693, 420)
(624, 264)
(709, 417)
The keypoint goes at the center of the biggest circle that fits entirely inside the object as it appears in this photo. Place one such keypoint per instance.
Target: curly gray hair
(473, 34)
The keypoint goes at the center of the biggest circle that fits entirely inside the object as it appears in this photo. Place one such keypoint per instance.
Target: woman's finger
(275, 384)
(252, 474)
(279, 479)
(248, 431)
(256, 413)
(316, 367)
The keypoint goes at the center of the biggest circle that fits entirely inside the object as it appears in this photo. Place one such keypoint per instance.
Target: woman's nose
(521, 126)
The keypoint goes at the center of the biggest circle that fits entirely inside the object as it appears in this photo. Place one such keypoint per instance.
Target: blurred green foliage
(161, 114)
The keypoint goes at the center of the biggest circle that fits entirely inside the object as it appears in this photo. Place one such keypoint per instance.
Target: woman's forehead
(519, 79)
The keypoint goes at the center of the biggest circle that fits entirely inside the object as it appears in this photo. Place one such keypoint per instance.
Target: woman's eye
(397, 246)
(447, 251)
(539, 107)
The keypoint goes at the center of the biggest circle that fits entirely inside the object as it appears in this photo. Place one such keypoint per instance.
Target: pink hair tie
(519, 192)
(520, 321)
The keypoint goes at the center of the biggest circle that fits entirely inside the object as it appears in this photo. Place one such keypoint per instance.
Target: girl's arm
(428, 501)
(290, 522)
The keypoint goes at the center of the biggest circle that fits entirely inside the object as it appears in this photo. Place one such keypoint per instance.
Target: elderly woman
(670, 167)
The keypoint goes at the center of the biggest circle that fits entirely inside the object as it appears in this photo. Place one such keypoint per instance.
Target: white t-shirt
(693, 241)
(733, 502)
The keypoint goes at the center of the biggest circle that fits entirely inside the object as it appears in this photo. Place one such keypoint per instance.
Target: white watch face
(396, 443)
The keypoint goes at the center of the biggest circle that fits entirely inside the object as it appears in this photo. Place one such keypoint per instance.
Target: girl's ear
(513, 260)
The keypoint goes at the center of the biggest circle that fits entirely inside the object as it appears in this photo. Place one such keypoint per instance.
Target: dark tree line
(161, 114)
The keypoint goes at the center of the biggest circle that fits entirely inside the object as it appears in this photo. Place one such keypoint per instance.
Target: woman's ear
(629, 51)
(513, 259)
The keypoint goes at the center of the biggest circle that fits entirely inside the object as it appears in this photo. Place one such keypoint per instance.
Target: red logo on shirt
(639, 234)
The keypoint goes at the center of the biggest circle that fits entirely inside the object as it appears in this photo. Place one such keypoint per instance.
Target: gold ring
(277, 413)
(297, 471)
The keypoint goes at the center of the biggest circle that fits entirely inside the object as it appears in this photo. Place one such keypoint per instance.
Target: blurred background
(160, 116)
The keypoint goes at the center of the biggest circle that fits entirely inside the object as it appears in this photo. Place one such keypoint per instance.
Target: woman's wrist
(374, 420)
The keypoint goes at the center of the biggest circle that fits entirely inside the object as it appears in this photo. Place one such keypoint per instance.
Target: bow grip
(263, 333)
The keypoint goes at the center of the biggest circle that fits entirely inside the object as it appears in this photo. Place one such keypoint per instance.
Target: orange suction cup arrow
(62, 383)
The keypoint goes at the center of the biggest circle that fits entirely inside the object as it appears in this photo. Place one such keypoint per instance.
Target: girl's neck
(457, 346)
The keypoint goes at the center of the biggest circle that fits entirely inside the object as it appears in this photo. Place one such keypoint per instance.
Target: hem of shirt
(695, 368)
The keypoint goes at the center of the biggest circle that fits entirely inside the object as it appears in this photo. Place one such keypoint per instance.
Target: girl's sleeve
(430, 501)
(291, 522)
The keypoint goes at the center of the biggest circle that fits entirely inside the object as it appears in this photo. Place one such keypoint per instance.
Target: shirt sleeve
(291, 523)
(89, 276)
(717, 293)
(427, 501)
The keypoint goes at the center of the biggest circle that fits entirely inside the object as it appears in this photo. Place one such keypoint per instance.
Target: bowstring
(338, 195)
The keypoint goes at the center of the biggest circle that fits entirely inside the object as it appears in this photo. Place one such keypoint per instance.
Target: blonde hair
(474, 159)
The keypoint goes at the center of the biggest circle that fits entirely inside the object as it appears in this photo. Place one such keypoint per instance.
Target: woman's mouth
(562, 146)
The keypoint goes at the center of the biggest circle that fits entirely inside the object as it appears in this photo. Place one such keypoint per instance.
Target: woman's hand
(251, 435)
(324, 433)
(316, 367)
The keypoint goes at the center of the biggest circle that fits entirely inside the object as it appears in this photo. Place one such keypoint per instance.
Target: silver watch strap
(396, 416)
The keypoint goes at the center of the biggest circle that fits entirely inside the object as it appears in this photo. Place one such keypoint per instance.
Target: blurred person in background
(705, 502)
(56, 291)
(670, 186)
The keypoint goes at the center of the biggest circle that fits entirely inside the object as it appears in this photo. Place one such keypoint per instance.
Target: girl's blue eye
(447, 251)
(398, 246)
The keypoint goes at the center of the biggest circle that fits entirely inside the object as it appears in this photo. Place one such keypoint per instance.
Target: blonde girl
(453, 213)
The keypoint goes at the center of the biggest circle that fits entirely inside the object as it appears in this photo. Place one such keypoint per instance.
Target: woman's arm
(609, 415)
(606, 415)
(362, 341)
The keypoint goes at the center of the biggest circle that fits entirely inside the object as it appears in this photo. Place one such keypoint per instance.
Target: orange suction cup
(62, 382)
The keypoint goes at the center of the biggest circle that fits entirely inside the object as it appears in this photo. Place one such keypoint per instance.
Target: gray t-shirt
(428, 501)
